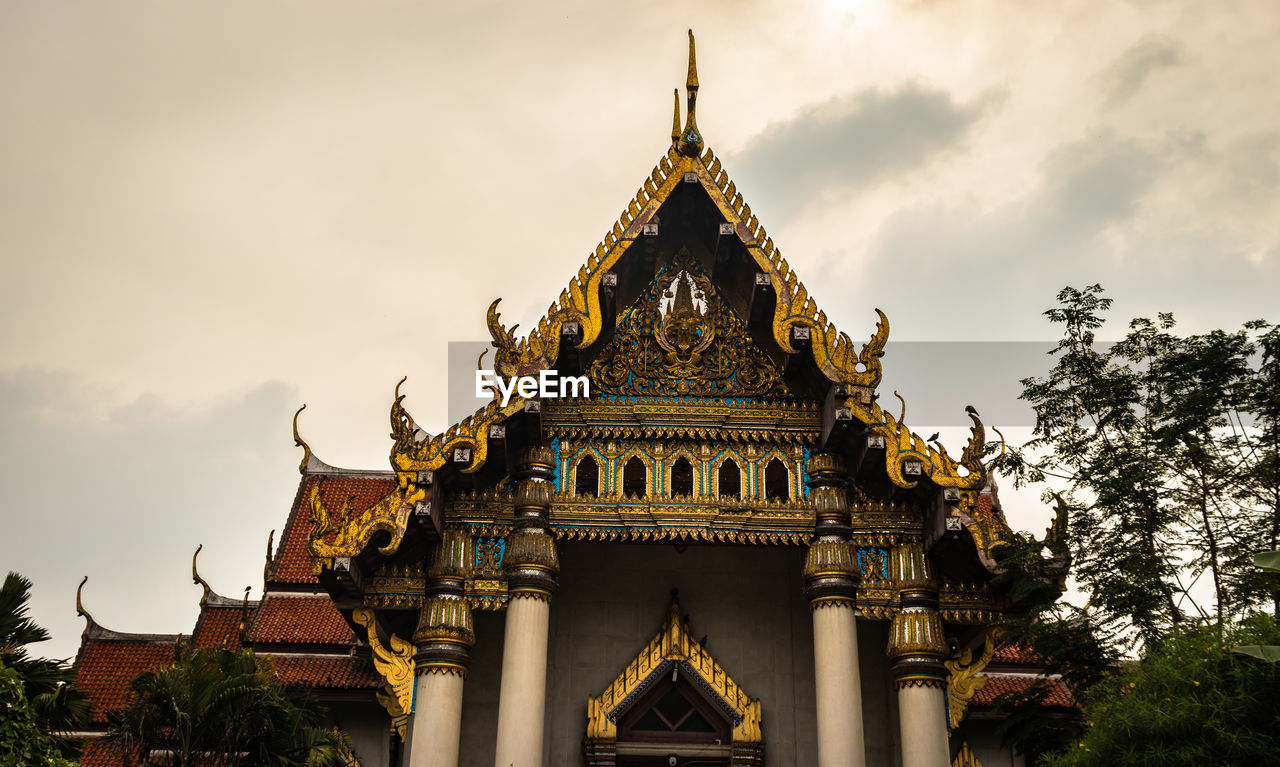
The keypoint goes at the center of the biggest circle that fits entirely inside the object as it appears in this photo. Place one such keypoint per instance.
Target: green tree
(56, 705)
(1190, 701)
(1166, 450)
(22, 742)
(220, 708)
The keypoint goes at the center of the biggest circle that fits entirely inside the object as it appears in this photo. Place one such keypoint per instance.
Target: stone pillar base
(922, 717)
(523, 694)
(838, 685)
(437, 720)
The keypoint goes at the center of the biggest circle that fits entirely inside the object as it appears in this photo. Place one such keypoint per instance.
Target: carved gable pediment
(681, 338)
(674, 649)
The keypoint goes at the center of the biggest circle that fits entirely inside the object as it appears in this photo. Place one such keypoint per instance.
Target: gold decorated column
(917, 648)
(830, 578)
(531, 567)
(443, 639)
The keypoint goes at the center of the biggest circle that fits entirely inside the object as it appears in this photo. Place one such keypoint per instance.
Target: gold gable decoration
(395, 665)
(673, 646)
(832, 350)
(907, 457)
(680, 338)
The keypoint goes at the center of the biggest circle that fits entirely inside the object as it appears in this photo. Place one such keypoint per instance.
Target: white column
(917, 646)
(839, 687)
(831, 583)
(444, 638)
(436, 736)
(531, 565)
(922, 718)
(522, 698)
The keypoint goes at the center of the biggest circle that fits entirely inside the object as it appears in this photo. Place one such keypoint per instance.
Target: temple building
(718, 547)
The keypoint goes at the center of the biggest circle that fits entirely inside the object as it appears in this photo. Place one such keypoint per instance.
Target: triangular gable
(797, 323)
(673, 647)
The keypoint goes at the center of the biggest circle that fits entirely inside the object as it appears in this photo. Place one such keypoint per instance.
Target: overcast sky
(212, 212)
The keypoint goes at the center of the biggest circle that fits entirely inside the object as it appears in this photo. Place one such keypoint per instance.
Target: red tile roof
(285, 618)
(99, 752)
(998, 684)
(1016, 654)
(218, 627)
(106, 667)
(292, 562)
(346, 672)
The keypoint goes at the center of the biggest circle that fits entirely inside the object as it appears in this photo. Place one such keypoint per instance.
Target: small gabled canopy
(673, 647)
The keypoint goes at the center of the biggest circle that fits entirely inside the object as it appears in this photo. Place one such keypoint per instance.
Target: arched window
(777, 484)
(586, 479)
(729, 479)
(681, 477)
(635, 478)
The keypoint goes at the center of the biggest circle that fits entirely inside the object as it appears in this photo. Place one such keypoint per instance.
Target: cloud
(848, 142)
(123, 492)
(1130, 72)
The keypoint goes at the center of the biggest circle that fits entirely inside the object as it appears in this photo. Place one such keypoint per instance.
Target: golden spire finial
(80, 605)
(299, 442)
(675, 117)
(195, 577)
(692, 82)
(690, 138)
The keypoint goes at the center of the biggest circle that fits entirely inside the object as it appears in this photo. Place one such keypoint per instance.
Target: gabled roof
(854, 370)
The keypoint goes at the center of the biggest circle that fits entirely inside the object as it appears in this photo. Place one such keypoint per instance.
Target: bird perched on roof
(935, 436)
(970, 409)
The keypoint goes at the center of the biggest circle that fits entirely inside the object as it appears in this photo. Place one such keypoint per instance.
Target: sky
(211, 213)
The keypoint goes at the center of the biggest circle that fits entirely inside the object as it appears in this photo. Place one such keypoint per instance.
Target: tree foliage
(22, 742)
(221, 708)
(1190, 701)
(56, 706)
(1166, 448)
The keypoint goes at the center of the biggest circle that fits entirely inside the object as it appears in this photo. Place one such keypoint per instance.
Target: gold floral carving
(395, 665)
(672, 645)
(390, 515)
(680, 338)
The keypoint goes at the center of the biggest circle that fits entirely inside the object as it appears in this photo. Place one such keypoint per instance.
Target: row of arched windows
(635, 479)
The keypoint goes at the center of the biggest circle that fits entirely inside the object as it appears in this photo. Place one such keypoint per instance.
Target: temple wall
(983, 737)
(614, 597)
(369, 729)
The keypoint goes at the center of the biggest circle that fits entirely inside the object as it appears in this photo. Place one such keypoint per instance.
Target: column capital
(444, 634)
(917, 643)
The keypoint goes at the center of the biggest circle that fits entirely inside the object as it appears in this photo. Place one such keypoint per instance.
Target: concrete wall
(613, 598)
(368, 727)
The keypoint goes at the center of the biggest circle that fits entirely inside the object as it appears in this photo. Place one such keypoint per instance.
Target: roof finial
(243, 629)
(266, 568)
(298, 441)
(80, 605)
(690, 138)
(675, 117)
(195, 577)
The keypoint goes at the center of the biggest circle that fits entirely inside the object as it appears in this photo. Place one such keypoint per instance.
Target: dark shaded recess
(681, 477)
(635, 478)
(586, 480)
(729, 480)
(776, 482)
